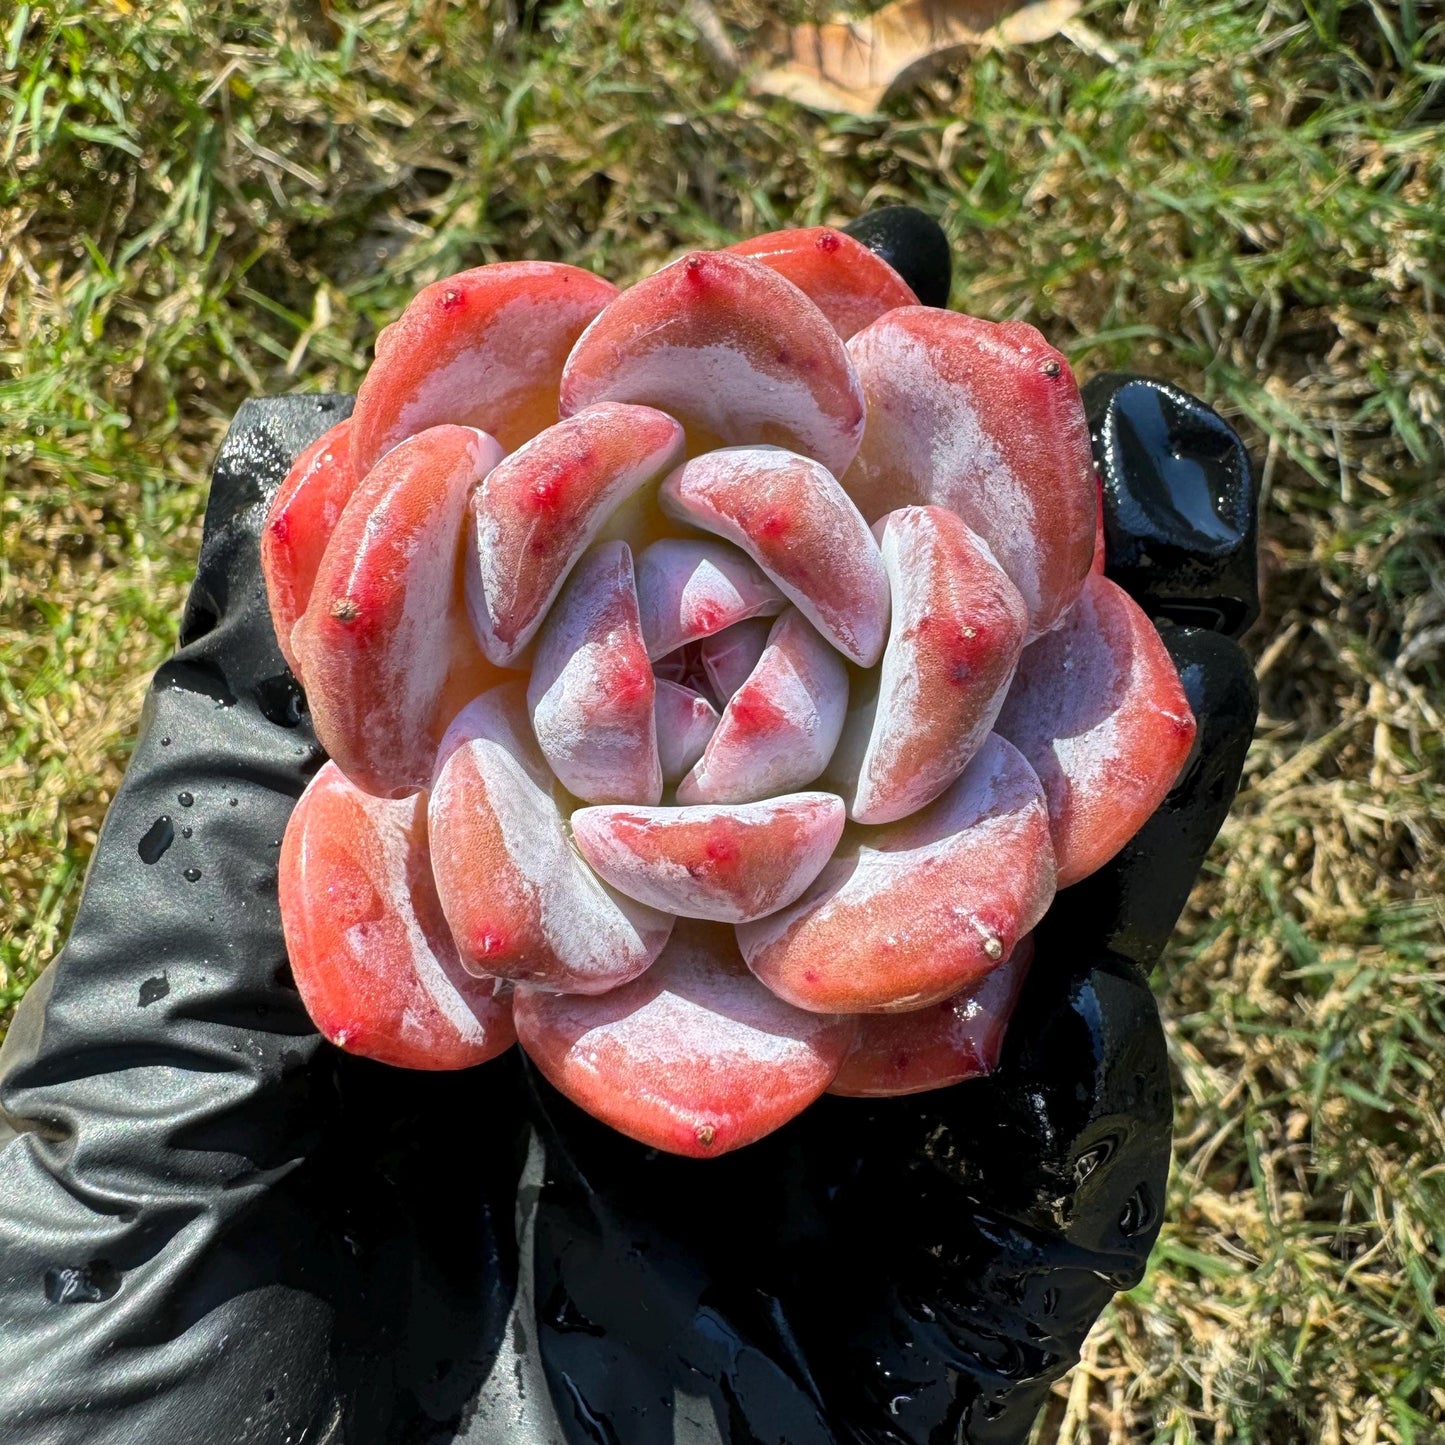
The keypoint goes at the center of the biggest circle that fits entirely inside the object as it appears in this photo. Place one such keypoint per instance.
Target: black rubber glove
(218, 1229)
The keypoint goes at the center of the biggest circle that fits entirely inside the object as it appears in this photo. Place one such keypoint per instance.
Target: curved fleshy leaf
(685, 720)
(987, 421)
(1098, 709)
(483, 348)
(539, 510)
(521, 904)
(692, 587)
(591, 691)
(907, 914)
(851, 285)
(370, 951)
(735, 352)
(695, 1057)
(728, 658)
(790, 515)
(931, 1048)
(303, 515)
(958, 629)
(780, 727)
(384, 633)
(731, 862)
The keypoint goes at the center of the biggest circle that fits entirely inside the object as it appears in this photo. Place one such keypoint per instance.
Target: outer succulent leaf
(847, 282)
(791, 516)
(732, 350)
(384, 630)
(958, 629)
(1100, 541)
(521, 904)
(1098, 709)
(303, 515)
(907, 914)
(695, 1057)
(985, 420)
(685, 721)
(932, 1048)
(369, 948)
(728, 658)
(690, 587)
(483, 348)
(780, 727)
(730, 862)
(591, 690)
(539, 510)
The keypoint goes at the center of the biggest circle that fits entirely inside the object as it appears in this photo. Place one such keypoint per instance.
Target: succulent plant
(719, 680)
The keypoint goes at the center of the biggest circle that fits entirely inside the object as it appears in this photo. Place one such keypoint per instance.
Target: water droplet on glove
(159, 836)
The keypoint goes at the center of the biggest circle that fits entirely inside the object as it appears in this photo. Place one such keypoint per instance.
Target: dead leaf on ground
(850, 65)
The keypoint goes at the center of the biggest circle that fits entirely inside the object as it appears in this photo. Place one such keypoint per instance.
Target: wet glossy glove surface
(215, 1228)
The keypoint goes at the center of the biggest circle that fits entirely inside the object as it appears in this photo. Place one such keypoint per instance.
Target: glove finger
(914, 244)
(970, 1237)
(1181, 507)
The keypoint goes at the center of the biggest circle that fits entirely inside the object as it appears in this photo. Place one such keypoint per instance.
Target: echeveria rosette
(719, 682)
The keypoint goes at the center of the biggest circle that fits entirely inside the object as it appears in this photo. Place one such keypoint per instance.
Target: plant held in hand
(717, 682)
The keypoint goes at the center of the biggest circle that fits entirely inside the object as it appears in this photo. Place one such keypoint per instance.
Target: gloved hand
(217, 1228)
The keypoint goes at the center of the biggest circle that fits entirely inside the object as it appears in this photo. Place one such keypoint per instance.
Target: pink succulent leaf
(591, 691)
(483, 348)
(685, 721)
(538, 511)
(731, 862)
(735, 352)
(304, 513)
(907, 914)
(780, 727)
(1098, 709)
(380, 636)
(958, 629)
(960, 1038)
(987, 421)
(691, 587)
(695, 1057)
(851, 285)
(370, 951)
(790, 515)
(521, 904)
(728, 658)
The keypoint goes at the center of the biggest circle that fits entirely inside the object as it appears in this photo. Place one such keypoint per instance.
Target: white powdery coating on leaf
(689, 588)
(720, 385)
(388, 870)
(780, 728)
(959, 465)
(411, 669)
(829, 567)
(494, 369)
(1070, 708)
(729, 657)
(601, 744)
(707, 1018)
(586, 925)
(907, 916)
(685, 720)
(727, 862)
(945, 690)
(506, 538)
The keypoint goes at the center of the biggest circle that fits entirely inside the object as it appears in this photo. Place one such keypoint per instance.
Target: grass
(199, 203)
